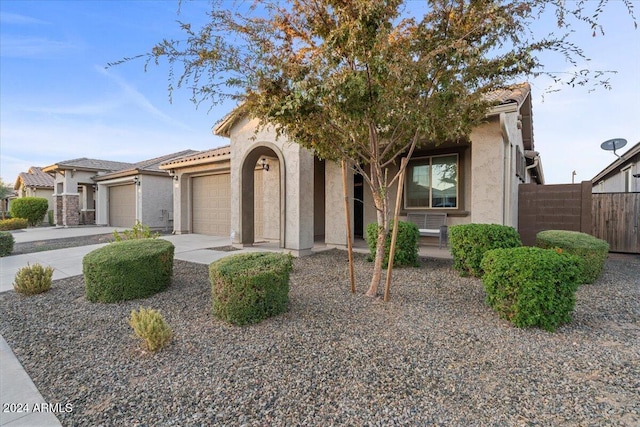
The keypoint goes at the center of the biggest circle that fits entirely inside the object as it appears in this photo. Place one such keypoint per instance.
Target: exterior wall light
(264, 164)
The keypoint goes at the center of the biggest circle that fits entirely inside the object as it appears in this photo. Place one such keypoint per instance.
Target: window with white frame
(432, 182)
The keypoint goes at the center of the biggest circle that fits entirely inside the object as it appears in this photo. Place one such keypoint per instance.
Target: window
(432, 182)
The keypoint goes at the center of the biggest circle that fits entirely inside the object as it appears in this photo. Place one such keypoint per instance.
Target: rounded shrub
(250, 287)
(13, 224)
(469, 243)
(531, 286)
(33, 209)
(406, 253)
(33, 279)
(127, 270)
(591, 249)
(150, 326)
(6, 243)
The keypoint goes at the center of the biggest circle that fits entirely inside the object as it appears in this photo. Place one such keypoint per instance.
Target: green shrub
(406, 252)
(592, 250)
(531, 286)
(33, 209)
(149, 325)
(128, 270)
(469, 243)
(248, 288)
(33, 279)
(6, 243)
(139, 231)
(13, 224)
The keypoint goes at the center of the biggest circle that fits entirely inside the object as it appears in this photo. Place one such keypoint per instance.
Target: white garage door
(122, 205)
(211, 204)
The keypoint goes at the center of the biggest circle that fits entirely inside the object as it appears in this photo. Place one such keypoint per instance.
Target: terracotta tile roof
(35, 178)
(516, 93)
(200, 155)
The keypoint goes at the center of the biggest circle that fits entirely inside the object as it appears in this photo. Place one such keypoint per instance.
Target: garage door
(211, 204)
(122, 206)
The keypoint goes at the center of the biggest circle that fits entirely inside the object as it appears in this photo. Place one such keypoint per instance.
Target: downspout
(536, 161)
(505, 164)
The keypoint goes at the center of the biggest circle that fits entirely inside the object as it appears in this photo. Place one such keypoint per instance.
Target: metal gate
(616, 219)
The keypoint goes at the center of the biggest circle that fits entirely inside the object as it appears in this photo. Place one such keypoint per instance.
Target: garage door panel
(211, 204)
(122, 206)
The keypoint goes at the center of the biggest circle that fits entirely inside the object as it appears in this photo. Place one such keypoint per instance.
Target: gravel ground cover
(434, 355)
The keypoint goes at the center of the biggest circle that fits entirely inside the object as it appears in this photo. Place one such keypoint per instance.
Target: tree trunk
(380, 201)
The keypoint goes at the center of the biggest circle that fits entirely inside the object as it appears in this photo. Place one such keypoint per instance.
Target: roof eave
(179, 164)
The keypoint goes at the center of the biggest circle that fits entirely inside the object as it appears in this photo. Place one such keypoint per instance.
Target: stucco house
(74, 188)
(35, 183)
(139, 192)
(622, 175)
(263, 188)
(117, 194)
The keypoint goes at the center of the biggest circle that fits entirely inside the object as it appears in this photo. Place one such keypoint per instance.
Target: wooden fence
(616, 219)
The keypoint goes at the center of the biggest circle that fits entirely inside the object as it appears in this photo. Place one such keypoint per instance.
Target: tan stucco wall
(37, 192)
(487, 176)
(298, 167)
(494, 184)
(334, 219)
(155, 201)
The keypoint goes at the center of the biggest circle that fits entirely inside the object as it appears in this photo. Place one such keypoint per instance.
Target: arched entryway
(262, 195)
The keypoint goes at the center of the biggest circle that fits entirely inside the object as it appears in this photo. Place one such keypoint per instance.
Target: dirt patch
(52, 244)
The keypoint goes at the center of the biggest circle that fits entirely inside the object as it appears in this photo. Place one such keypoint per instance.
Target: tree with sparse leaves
(364, 80)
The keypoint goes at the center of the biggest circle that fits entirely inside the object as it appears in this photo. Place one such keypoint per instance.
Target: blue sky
(59, 102)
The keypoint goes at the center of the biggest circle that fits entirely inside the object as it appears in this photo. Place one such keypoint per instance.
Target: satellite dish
(613, 144)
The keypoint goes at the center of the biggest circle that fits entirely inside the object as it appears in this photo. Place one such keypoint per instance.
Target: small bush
(13, 224)
(128, 270)
(531, 286)
(149, 325)
(406, 253)
(139, 231)
(6, 243)
(592, 250)
(33, 279)
(33, 209)
(469, 243)
(248, 288)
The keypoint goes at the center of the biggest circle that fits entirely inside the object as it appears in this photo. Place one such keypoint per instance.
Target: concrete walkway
(16, 387)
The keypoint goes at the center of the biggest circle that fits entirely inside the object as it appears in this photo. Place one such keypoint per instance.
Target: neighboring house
(35, 183)
(5, 202)
(265, 188)
(621, 176)
(74, 188)
(139, 192)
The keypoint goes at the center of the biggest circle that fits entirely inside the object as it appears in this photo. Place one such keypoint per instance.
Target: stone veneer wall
(71, 209)
(57, 211)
